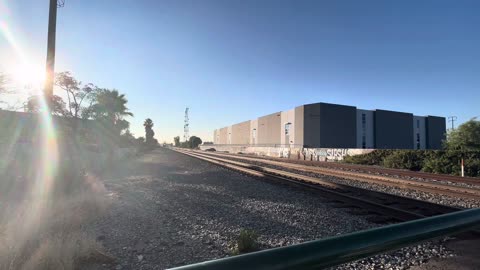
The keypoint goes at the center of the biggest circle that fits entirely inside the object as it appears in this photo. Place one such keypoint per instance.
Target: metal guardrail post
(333, 251)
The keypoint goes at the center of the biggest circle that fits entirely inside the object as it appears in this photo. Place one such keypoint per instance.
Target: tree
(141, 140)
(466, 137)
(110, 107)
(127, 139)
(176, 141)
(149, 133)
(34, 105)
(194, 142)
(76, 93)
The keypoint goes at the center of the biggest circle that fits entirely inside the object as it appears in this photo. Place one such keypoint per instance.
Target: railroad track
(388, 207)
(380, 170)
(429, 187)
(404, 173)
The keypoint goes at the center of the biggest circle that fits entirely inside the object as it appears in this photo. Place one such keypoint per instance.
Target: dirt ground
(468, 257)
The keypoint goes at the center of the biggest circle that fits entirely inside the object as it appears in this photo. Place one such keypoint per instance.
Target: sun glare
(28, 76)
(22, 71)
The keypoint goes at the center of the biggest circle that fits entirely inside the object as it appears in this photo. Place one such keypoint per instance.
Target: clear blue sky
(231, 61)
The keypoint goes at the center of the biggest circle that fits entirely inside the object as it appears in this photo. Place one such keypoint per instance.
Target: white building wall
(229, 135)
(420, 129)
(365, 129)
(253, 126)
(216, 136)
(287, 117)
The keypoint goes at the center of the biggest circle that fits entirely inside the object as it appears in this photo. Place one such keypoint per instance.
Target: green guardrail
(337, 250)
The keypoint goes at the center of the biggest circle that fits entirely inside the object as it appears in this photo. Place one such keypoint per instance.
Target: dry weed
(48, 233)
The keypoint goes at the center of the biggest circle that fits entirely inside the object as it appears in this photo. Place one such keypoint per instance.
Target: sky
(235, 60)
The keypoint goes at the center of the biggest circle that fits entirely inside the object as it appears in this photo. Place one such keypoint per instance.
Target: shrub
(375, 157)
(246, 242)
(434, 161)
(405, 159)
(472, 167)
(449, 162)
(441, 162)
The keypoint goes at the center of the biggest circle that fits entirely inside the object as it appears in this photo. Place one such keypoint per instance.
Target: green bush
(449, 162)
(445, 162)
(472, 167)
(246, 242)
(375, 157)
(434, 161)
(405, 159)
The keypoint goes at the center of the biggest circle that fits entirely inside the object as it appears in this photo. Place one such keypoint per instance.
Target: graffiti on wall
(324, 154)
(316, 154)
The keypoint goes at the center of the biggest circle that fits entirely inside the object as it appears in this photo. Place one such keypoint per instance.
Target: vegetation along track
(403, 173)
(388, 207)
(429, 187)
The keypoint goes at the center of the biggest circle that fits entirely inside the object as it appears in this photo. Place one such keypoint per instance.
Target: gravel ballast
(168, 209)
(405, 192)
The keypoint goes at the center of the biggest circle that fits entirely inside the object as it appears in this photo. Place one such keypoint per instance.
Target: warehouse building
(324, 125)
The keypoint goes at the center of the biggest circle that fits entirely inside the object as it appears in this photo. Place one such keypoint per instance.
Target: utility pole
(452, 119)
(52, 29)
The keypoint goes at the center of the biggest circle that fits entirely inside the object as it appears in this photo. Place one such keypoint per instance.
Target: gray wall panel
(311, 125)
(393, 130)
(338, 126)
(435, 131)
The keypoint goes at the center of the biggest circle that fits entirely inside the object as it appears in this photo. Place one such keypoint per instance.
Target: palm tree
(111, 107)
(149, 133)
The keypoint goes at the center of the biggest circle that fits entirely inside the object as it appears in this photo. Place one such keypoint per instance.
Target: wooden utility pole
(52, 29)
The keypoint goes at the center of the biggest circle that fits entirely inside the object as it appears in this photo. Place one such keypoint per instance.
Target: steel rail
(316, 183)
(375, 169)
(424, 207)
(399, 172)
(444, 189)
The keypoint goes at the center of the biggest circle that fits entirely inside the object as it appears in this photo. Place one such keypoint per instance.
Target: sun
(28, 76)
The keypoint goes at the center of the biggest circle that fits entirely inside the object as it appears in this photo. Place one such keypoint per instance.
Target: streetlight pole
(52, 29)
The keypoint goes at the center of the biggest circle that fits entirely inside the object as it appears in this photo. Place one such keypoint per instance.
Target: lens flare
(7, 34)
(23, 72)
(49, 148)
(41, 138)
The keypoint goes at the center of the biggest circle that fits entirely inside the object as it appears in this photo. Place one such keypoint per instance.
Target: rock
(101, 238)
